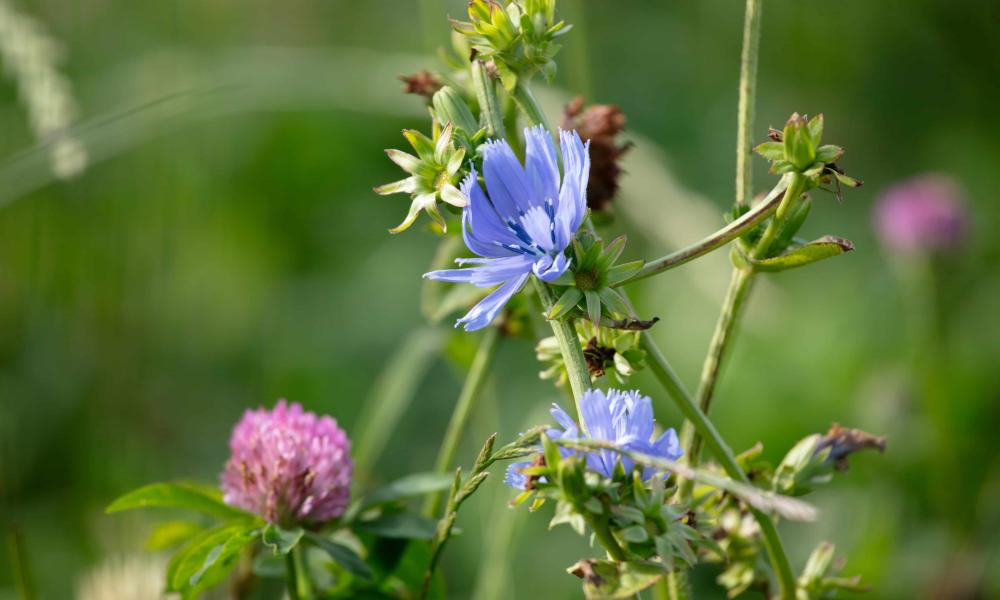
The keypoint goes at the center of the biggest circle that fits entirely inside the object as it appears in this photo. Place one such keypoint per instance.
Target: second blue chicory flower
(624, 418)
(525, 222)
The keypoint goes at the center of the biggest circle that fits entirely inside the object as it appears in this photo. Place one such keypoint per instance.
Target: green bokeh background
(224, 249)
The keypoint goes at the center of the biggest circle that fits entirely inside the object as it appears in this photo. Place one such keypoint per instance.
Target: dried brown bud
(843, 442)
(599, 123)
(597, 356)
(422, 83)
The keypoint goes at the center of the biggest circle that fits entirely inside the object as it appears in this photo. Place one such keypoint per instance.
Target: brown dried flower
(600, 123)
(422, 83)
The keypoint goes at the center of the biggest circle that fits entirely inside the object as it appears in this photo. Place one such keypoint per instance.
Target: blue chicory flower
(525, 223)
(624, 418)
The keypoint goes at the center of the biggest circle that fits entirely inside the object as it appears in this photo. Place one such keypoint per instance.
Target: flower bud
(450, 107)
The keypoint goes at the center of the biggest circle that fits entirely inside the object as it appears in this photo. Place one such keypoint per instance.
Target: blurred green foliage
(219, 260)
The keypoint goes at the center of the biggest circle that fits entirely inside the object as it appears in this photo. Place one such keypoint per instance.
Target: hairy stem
(489, 105)
(747, 97)
(717, 446)
(463, 410)
(730, 232)
(569, 345)
(739, 288)
(525, 100)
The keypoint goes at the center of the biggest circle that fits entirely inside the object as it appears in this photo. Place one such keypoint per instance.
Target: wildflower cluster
(523, 196)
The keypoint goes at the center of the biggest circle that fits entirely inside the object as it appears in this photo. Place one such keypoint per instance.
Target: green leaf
(565, 303)
(825, 247)
(611, 253)
(210, 557)
(280, 540)
(170, 534)
(178, 495)
(342, 555)
(615, 304)
(399, 526)
(771, 150)
(417, 484)
(829, 153)
(622, 272)
(607, 579)
(816, 129)
(593, 306)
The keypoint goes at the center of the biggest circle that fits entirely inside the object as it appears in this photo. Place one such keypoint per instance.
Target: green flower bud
(517, 37)
(800, 149)
(450, 107)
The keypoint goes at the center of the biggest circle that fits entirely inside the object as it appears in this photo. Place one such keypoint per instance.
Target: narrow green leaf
(613, 301)
(593, 306)
(342, 555)
(281, 540)
(417, 484)
(612, 253)
(825, 247)
(565, 303)
(622, 272)
(180, 495)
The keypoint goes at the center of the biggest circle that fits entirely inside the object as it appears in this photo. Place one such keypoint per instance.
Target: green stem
(299, 584)
(736, 296)
(526, 101)
(463, 410)
(569, 345)
(603, 534)
(489, 105)
(772, 542)
(796, 186)
(747, 95)
(730, 232)
(739, 288)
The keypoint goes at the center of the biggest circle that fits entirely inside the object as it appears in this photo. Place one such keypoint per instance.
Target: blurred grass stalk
(393, 391)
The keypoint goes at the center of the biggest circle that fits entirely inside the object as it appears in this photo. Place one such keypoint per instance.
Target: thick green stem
(489, 104)
(730, 232)
(569, 345)
(525, 100)
(739, 288)
(299, 584)
(748, 93)
(463, 410)
(718, 447)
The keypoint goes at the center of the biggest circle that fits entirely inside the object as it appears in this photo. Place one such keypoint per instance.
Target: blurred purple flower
(288, 466)
(624, 418)
(525, 223)
(926, 213)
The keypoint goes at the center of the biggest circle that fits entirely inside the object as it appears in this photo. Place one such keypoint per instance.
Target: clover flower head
(623, 418)
(525, 222)
(925, 213)
(289, 466)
